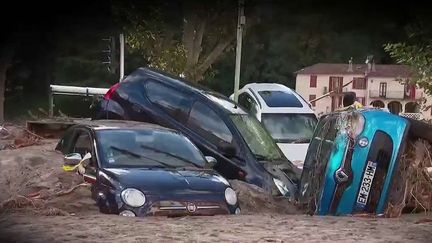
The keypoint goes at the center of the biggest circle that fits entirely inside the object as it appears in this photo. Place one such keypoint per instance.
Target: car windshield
(322, 144)
(147, 148)
(290, 128)
(257, 138)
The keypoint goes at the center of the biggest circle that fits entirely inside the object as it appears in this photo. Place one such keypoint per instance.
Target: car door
(171, 105)
(212, 134)
(83, 144)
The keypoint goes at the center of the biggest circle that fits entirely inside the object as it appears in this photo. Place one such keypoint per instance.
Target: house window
(383, 90)
(359, 83)
(313, 81)
(312, 97)
(336, 83)
(361, 100)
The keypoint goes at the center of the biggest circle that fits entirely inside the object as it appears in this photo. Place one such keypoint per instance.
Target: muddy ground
(241, 228)
(37, 205)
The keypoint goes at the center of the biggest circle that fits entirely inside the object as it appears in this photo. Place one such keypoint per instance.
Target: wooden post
(50, 103)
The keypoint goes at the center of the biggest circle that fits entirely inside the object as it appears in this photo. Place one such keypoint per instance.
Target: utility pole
(240, 24)
(121, 37)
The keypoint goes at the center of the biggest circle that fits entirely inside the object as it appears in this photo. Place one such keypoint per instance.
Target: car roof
(220, 100)
(267, 87)
(120, 124)
(276, 105)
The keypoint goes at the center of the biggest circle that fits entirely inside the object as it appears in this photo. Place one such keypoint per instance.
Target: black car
(139, 169)
(218, 126)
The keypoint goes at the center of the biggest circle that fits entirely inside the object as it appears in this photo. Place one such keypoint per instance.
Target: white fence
(74, 91)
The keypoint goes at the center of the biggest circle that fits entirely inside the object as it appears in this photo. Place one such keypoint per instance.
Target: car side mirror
(211, 161)
(228, 150)
(72, 159)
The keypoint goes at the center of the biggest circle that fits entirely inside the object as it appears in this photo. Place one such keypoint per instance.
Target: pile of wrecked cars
(202, 139)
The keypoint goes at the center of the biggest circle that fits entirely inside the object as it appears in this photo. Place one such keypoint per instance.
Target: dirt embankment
(34, 180)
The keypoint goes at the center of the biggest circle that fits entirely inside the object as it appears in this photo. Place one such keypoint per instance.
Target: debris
(423, 221)
(33, 181)
(253, 200)
(53, 212)
(4, 133)
(14, 136)
(416, 194)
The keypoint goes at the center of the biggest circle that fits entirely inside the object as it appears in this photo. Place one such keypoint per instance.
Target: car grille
(177, 208)
(347, 170)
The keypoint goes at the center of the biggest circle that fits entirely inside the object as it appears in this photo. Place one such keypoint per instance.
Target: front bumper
(174, 207)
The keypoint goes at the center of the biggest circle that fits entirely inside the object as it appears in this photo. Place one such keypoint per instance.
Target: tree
(186, 42)
(419, 57)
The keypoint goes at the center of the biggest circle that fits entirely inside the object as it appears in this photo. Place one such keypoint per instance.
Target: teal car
(352, 161)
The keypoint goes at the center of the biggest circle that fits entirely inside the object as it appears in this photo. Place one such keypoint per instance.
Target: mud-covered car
(352, 162)
(139, 169)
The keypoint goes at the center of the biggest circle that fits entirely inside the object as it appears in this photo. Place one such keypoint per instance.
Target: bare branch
(214, 55)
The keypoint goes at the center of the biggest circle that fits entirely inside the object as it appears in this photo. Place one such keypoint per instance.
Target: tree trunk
(6, 56)
(3, 70)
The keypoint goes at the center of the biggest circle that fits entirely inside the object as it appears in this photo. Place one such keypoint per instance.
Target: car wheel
(103, 206)
(420, 129)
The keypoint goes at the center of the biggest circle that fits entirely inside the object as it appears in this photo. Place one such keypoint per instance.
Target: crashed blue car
(351, 162)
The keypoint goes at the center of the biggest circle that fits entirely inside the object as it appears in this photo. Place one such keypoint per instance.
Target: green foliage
(150, 35)
(180, 37)
(419, 57)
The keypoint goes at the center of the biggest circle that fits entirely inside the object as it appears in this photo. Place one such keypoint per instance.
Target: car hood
(157, 181)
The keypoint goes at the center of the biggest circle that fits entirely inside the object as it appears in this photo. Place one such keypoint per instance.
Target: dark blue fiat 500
(139, 169)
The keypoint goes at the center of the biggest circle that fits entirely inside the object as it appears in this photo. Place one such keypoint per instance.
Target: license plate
(366, 184)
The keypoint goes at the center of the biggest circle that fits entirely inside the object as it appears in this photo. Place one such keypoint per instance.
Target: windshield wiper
(126, 151)
(301, 140)
(136, 155)
(261, 158)
(169, 154)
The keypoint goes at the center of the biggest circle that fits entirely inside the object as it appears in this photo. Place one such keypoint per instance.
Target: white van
(284, 113)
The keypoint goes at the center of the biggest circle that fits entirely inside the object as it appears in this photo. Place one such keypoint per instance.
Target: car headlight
(230, 196)
(281, 187)
(133, 197)
(357, 123)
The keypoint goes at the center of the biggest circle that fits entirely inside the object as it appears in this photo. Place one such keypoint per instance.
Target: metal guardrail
(74, 91)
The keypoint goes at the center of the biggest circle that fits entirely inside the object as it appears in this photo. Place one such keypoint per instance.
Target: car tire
(420, 129)
(103, 208)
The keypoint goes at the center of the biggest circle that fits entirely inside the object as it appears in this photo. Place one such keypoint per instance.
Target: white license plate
(366, 184)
